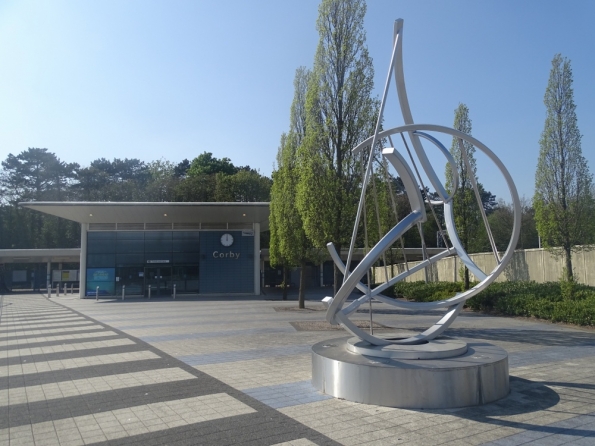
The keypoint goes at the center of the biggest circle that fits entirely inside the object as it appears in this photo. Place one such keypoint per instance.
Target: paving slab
(216, 370)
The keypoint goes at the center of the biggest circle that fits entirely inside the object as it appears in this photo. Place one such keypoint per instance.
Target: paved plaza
(237, 371)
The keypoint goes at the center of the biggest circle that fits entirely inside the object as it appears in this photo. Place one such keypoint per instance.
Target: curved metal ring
(337, 314)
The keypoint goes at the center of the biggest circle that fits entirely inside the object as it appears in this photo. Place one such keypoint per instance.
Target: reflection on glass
(186, 279)
(104, 278)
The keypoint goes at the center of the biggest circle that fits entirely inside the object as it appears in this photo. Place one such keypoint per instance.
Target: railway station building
(198, 248)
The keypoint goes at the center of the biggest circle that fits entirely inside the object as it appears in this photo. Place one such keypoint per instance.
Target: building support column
(83, 261)
(49, 273)
(257, 259)
(322, 274)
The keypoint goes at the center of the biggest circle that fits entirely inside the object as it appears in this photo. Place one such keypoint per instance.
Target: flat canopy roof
(143, 212)
(66, 255)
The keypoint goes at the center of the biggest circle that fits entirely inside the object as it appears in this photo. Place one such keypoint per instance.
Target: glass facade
(142, 259)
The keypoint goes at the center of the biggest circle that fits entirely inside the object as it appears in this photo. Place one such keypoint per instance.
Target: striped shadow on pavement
(60, 331)
(51, 338)
(77, 387)
(40, 326)
(106, 386)
(134, 420)
(25, 350)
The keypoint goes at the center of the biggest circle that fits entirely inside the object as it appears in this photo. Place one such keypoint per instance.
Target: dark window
(158, 235)
(186, 235)
(132, 278)
(181, 258)
(159, 241)
(131, 235)
(186, 246)
(101, 260)
(186, 279)
(127, 246)
(133, 259)
(101, 242)
(101, 235)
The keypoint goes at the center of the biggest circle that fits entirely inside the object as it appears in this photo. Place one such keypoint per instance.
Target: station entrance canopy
(168, 215)
(199, 248)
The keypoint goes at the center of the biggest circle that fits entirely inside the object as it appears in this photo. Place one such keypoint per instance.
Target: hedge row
(530, 299)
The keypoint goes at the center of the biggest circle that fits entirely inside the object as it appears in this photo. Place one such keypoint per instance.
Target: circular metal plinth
(479, 376)
(435, 349)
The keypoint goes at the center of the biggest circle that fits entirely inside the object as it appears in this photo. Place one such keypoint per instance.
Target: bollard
(49, 290)
(149, 291)
(123, 291)
(96, 294)
(174, 290)
(57, 290)
(72, 288)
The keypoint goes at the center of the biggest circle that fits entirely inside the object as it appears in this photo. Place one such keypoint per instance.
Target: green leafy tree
(209, 179)
(563, 199)
(207, 164)
(246, 185)
(501, 221)
(161, 182)
(465, 208)
(200, 188)
(340, 112)
(275, 222)
(289, 244)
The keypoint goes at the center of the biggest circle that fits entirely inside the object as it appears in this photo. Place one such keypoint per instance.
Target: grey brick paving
(241, 355)
(82, 386)
(215, 334)
(247, 350)
(286, 395)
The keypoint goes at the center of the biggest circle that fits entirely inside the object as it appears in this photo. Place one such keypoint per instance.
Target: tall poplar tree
(289, 244)
(340, 112)
(465, 208)
(563, 198)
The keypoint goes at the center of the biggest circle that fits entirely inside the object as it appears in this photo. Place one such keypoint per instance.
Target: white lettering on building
(226, 255)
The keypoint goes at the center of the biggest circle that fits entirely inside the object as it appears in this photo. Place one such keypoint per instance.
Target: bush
(542, 300)
(426, 292)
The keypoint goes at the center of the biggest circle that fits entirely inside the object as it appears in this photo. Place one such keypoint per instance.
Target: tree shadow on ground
(525, 397)
(550, 338)
(421, 312)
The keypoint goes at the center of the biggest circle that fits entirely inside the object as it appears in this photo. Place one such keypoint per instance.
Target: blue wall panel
(226, 269)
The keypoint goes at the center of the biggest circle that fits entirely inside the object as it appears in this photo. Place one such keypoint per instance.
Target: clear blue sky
(172, 79)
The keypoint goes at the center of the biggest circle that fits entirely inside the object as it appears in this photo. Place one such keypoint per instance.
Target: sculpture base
(436, 349)
(478, 376)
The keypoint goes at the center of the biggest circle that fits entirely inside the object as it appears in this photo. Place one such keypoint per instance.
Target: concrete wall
(531, 264)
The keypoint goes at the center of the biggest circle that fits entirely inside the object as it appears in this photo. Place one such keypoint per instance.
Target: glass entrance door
(159, 279)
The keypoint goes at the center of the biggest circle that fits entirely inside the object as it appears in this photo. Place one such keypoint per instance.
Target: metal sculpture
(338, 311)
